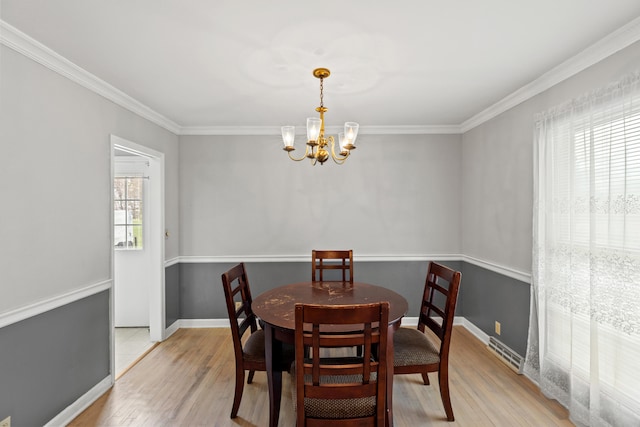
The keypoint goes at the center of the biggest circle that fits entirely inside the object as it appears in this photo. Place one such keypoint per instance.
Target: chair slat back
(322, 260)
(439, 302)
(235, 283)
(321, 328)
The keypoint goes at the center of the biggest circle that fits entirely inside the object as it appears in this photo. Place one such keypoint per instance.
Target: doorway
(137, 302)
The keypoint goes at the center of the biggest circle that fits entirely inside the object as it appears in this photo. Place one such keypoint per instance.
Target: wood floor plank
(188, 380)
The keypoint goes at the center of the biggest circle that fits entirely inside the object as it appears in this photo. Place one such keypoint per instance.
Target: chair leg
(238, 394)
(443, 379)
(425, 378)
(250, 377)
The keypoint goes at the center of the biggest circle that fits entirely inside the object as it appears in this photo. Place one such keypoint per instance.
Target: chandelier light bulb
(288, 136)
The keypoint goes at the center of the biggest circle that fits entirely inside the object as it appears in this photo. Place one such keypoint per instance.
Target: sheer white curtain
(584, 332)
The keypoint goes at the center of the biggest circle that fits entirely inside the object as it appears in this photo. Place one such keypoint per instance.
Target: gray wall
(488, 297)
(485, 296)
(201, 286)
(50, 360)
(172, 294)
(396, 195)
(497, 200)
(55, 175)
(497, 167)
(55, 231)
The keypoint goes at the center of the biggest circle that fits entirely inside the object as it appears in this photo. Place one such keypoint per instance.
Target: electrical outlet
(6, 422)
(497, 328)
(238, 305)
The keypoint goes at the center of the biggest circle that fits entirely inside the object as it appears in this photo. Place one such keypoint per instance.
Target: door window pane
(127, 212)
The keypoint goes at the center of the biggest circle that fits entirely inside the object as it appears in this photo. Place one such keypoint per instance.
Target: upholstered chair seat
(336, 408)
(412, 347)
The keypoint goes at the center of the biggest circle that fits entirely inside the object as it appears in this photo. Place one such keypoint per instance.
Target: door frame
(155, 232)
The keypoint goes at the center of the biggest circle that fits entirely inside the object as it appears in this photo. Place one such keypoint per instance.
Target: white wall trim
(33, 49)
(224, 323)
(475, 331)
(172, 261)
(413, 321)
(43, 306)
(364, 130)
(500, 269)
(73, 410)
(172, 329)
(614, 42)
(406, 321)
(156, 243)
(203, 323)
(307, 258)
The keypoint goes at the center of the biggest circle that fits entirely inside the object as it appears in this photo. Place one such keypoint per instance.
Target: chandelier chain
(321, 92)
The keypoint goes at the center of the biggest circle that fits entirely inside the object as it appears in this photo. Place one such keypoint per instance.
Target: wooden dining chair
(333, 390)
(414, 352)
(250, 356)
(332, 260)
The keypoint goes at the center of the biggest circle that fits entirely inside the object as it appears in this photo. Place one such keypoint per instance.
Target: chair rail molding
(25, 312)
(307, 258)
(500, 269)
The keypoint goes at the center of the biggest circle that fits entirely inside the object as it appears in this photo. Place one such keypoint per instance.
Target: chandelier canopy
(317, 144)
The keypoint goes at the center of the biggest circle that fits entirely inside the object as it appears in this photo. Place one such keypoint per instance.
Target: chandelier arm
(304, 156)
(336, 158)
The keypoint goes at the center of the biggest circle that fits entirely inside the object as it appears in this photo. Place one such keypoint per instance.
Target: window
(127, 212)
(584, 334)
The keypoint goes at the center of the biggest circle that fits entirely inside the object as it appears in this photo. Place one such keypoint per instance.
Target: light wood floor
(188, 380)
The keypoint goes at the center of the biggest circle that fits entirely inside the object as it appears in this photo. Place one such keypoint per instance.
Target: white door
(133, 262)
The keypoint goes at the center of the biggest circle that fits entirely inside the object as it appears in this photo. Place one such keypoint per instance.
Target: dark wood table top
(277, 306)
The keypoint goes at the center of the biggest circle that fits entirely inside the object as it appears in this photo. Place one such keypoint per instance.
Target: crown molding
(33, 49)
(614, 42)
(229, 130)
(411, 130)
(300, 130)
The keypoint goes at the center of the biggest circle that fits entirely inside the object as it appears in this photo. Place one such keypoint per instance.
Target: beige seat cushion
(412, 347)
(335, 408)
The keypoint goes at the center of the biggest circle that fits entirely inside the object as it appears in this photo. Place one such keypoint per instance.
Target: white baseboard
(406, 321)
(171, 329)
(73, 410)
(413, 321)
(475, 331)
(204, 323)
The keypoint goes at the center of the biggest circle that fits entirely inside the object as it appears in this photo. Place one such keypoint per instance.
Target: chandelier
(317, 144)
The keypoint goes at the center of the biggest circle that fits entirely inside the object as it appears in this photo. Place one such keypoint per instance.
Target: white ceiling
(226, 64)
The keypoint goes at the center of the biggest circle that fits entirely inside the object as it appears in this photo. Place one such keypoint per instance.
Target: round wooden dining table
(276, 309)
